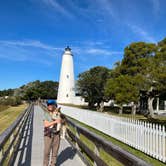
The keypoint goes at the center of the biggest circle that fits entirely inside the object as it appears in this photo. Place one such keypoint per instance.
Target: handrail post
(12, 146)
(96, 151)
(77, 137)
(17, 130)
(1, 153)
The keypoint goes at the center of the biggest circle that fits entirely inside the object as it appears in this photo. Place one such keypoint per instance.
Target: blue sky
(34, 33)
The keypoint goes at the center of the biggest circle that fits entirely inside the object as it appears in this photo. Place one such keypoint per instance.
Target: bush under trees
(11, 101)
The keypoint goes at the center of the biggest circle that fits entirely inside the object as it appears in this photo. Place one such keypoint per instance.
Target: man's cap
(51, 102)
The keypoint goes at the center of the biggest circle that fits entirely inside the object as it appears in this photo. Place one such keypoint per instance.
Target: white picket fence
(146, 137)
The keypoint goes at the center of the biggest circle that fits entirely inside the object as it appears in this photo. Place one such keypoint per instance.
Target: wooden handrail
(121, 155)
(13, 134)
(86, 149)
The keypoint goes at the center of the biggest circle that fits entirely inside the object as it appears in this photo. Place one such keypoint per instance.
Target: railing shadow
(24, 152)
(66, 154)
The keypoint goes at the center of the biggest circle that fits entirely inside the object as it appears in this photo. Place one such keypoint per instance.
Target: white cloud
(28, 50)
(94, 51)
(104, 52)
(142, 33)
(28, 43)
(14, 54)
(107, 6)
(156, 6)
(94, 43)
(91, 43)
(58, 8)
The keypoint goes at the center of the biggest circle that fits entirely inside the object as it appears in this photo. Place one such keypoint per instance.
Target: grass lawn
(8, 116)
(109, 159)
(3, 107)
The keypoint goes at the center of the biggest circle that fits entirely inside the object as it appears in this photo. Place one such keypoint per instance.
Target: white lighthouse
(66, 90)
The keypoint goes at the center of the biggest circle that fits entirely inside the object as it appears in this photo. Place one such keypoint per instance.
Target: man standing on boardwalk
(51, 135)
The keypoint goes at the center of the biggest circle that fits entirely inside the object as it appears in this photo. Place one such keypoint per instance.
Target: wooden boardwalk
(31, 148)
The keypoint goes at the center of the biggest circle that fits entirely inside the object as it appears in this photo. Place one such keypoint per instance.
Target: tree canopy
(143, 66)
(43, 90)
(6, 92)
(34, 90)
(91, 84)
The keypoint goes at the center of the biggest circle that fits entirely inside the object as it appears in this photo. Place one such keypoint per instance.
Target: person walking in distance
(51, 134)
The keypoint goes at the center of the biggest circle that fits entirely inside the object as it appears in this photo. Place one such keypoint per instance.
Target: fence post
(160, 141)
(150, 140)
(153, 143)
(156, 144)
(164, 144)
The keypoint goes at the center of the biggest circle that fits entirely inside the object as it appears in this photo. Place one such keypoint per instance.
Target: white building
(66, 90)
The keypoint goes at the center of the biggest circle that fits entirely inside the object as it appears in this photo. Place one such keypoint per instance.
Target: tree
(48, 89)
(43, 90)
(131, 74)
(91, 85)
(8, 92)
(122, 89)
(34, 90)
(137, 57)
(158, 71)
(12, 101)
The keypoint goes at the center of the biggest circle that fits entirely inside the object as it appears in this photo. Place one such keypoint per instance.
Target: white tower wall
(66, 90)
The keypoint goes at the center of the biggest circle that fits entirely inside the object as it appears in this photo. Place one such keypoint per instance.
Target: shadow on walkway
(23, 157)
(66, 154)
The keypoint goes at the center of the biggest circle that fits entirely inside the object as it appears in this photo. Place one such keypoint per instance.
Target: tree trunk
(133, 109)
(101, 106)
(98, 107)
(121, 110)
(90, 104)
(150, 106)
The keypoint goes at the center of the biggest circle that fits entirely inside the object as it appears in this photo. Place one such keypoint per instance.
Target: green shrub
(3, 107)
(12, 101)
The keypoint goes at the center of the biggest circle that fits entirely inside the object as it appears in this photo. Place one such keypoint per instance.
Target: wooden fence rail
(11, 137)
